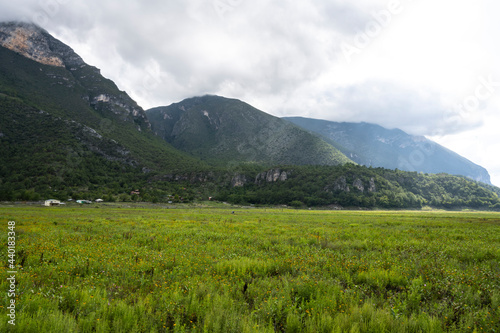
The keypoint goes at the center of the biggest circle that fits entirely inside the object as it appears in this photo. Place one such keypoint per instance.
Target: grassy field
(151, 269)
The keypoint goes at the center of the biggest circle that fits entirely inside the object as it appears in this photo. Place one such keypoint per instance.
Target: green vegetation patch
(150, 269)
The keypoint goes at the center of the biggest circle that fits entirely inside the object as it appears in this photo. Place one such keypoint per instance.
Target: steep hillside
(221, 130)
(63, 123)
(373, 145)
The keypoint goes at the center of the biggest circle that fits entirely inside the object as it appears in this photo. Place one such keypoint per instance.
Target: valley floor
(148, 268)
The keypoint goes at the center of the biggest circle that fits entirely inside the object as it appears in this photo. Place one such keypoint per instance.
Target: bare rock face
(341, 185)
(37, 44)
(29, 44)
(272, 176)
(284, 176)
(120, 105)
(34, 43)
(358, 183)
(372, 187)
(238, 181)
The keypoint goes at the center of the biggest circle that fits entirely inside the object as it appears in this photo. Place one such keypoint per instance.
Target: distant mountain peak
(225, 130)
(37, 44)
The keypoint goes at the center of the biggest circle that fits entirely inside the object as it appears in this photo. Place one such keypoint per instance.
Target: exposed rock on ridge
(272, 176)
(238, 181)
(36, 44)
(341, 185)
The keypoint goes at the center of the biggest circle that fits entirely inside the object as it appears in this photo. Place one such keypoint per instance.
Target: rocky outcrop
(238, 181)
(372, 187)
(122, 106)
(358, 184)
(29, 43)
(272, 176)
(36, 44)
(341, 185)
(193, 178)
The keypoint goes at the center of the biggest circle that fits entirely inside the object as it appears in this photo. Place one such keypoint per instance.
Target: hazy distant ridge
(373, 145)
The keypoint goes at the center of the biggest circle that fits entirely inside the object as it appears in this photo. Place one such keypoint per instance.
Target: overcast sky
(428, 67)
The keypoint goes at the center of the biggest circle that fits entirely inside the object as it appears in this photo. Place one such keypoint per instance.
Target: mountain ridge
(220, 129)
(68, 69)
(373, 145)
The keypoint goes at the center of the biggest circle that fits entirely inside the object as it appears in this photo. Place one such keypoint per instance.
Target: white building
(83, 201)
(52, 202)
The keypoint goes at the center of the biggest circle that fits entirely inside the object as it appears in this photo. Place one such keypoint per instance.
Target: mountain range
(66, 131)
(373, 145)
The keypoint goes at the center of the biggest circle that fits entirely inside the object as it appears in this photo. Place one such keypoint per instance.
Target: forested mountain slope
(222, 130)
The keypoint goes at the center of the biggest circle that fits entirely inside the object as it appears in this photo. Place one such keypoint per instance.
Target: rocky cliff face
(238, 181)
(68, 69)
(37, 44)
(342, 185)
(272, 176)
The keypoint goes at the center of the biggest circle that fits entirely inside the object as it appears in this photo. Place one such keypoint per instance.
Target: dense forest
(358, 186)
(70, 176)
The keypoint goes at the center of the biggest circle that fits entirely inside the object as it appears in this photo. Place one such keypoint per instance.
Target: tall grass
(147, 269)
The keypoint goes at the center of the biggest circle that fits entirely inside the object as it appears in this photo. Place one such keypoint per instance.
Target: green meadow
(148, 268)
